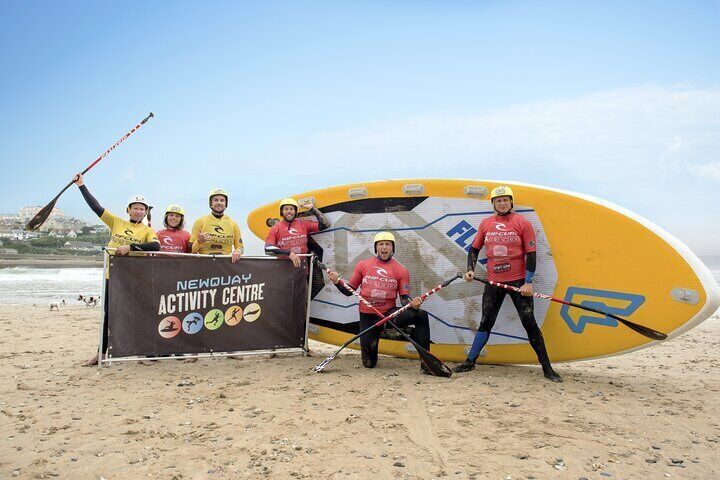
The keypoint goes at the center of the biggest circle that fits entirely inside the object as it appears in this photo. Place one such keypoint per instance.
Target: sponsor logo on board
(618, 303)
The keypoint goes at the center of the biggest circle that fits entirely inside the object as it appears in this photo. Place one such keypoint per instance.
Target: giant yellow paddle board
(589, 252)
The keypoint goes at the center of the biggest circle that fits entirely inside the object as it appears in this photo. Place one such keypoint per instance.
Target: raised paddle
(45, 212)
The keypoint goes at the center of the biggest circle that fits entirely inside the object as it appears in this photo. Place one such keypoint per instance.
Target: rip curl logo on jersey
(617, 303)
(168, 241)
(381, 272)
(128, 232)
(292, 231)
(501, 226)
(218, 229)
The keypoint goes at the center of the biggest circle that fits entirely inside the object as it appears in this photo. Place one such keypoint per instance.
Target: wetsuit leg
(491, 302)
(419, 318)
(525, 309)
(369, 341)
(421, 332)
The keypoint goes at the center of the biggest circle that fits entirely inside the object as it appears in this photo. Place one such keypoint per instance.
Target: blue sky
(620, 100)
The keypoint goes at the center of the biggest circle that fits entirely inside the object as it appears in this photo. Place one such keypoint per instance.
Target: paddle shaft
(383, 319)
(380, 322)
(646, 331)
(106, 152)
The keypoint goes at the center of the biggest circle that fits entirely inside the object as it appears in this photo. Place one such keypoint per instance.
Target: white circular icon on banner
(252, 312)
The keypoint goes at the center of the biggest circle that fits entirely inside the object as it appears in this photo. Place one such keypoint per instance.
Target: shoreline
(50, 261)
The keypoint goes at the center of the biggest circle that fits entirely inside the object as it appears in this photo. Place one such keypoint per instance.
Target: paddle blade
(648, 332)
(433, 365)
(41, 216)
(320, 366)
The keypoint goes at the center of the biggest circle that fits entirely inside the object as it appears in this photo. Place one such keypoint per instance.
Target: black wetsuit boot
(466, 366)
(538, 344)
(550, 374)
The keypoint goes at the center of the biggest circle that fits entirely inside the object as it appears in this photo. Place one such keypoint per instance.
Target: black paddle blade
(648, 332)
(430, 363)
(41, 216)
(433, 365)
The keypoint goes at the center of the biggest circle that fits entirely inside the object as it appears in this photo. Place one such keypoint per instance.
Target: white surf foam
(27, 285)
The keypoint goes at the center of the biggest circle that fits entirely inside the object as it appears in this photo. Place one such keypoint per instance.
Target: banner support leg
(102, 309)
(307, 305)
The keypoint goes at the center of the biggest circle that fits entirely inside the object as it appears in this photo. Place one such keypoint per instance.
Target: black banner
(164, 305)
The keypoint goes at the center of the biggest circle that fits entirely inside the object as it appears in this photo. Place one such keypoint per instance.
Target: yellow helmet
(289, 201)
(175, 209)
(502, 191)
(383, 236)
(218, 191)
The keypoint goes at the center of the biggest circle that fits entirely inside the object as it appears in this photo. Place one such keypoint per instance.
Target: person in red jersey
(289, 237)
(509, 242)
(174, 238)
(380, 280)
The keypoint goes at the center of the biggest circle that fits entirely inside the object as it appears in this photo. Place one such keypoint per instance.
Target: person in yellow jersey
(217, 233)
(125, 236)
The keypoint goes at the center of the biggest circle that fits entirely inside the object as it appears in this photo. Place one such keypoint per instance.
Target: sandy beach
(649, 414)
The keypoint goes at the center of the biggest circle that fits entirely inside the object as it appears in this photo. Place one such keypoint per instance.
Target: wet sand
(50, 261)
(649, 414)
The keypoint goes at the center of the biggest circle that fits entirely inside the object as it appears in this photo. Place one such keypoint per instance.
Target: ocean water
(26, 285)
(713, 263)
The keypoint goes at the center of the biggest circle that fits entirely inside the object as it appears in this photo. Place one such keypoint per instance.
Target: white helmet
(137, 199)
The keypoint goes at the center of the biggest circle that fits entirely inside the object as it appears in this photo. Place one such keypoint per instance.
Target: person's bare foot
(90, 361)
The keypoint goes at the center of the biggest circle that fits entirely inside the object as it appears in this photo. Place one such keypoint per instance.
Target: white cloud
(662, 130)
(710, 170)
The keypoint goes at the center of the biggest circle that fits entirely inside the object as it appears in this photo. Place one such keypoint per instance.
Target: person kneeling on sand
(381, 280)
(125, 236)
